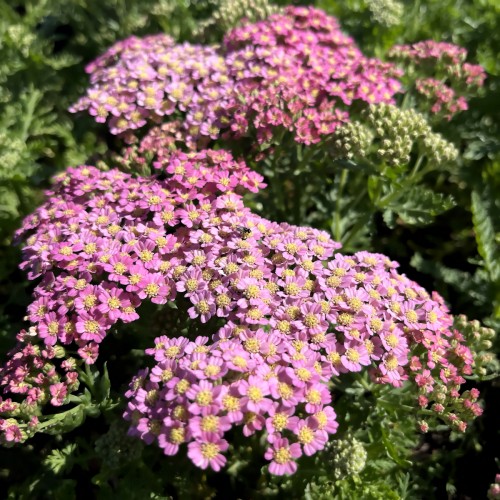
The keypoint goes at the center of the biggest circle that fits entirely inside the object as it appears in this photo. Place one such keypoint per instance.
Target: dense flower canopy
(296, 70)
(287, 312)
(281, 315)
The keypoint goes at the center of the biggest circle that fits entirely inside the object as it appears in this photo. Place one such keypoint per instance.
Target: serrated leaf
(65, 422)
(483, 209)
(389, 218)
(59, 460)
(392, 451)
(419, 206)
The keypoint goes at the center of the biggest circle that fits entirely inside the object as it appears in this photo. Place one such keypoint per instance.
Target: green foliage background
(44, 46)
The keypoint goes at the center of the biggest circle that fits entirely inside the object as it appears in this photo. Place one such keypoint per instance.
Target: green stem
(337, 217)
(412, 179)
(60, 416)
(418, 163)
(29, 113)
(362, 222)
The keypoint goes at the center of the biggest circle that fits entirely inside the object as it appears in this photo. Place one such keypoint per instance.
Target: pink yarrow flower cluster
(289, 312)
(298, 71)
(295, 70)
(449, 81)
(143, 80)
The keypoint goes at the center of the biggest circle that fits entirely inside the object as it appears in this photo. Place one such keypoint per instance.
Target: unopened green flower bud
(350, 140)
(349, 457)
(397, 130)
(229, 13)
(59, 351)
(485, 344)
(487, 333)
(386, 12)
(461, 321)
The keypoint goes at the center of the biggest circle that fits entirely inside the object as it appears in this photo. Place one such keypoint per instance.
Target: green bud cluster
(349, 457)
(229, 13)
(439, 148)
(115, 448)
(351, 139)
(397, 131)
(386, 12)
(480, 340)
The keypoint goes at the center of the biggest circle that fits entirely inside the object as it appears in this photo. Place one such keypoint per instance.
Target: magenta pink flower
(58, 392)
(282, 456)
(207, 453)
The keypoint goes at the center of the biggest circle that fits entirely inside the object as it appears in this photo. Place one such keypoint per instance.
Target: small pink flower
(58, 392)
(282, 456)
(207, 453)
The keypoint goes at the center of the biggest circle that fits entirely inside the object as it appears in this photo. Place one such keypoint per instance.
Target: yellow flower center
(154, 200)
(134, 279)
(311, 320)
(114, 303)
(152, 396)
(280, 421)
(191, 285)
(283, 326)
(91, 326)
(282, 456)
(292, 289)
(313, 396)
(119, 268)
(182, 386)
(376, 324)
(355, 304)
(146, 256)
(180, 413)
(255, 394)
(391, 362)
(306, 435)
(66, 250)
(334, 358)
(255, 314)
(172, 351)
(352, 355)
(411, 316)
(211, 370)
(204, 397)
(230, 403)
(210, 423)
(102, 219)
(370, 346)
(432, 317)
(198, 260)
(345, 319)
(202, 307)
(339, 271)
(252, 292)
(392, 340)
(177, 435)
(285, 391)
(89, 301)
(223, 300)
(152, 289)
(252, 345)
(53, 327)
(90, 248)
(360, 277)
(303, 374)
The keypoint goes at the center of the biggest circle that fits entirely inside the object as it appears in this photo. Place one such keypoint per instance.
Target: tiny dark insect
(244, 231)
